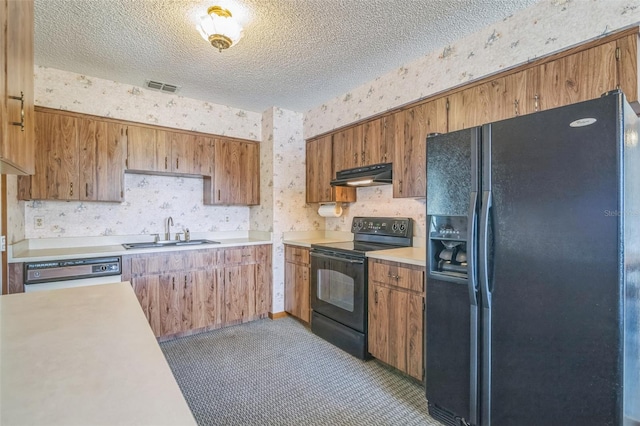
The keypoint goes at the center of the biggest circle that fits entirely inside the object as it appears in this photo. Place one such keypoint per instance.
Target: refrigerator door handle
(472, 220)
(484, 250)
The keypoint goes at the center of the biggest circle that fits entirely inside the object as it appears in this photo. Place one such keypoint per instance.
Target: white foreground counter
(84, 356)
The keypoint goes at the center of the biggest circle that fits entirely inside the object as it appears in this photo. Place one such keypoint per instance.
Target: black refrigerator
(533, 269)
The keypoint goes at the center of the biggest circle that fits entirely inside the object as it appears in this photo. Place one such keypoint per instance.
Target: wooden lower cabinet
(396, 315)
(183, 292)
(296, 282)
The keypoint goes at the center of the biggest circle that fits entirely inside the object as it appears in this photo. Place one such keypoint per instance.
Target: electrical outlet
(226, 218)
(38, 222)
(3, 243)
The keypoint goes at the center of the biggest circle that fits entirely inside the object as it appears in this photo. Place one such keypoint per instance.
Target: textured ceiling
(295, 54)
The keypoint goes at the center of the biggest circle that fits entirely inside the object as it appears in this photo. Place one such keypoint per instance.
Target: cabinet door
(56, 172)
(627, 65)
(521, 92)
(411, 128)
(579, 77)
(207, 298)
(102, 152)
(482, 103)
(147, 290)
(415, 346)
(347, 148)
(170, 295)
(237, 173)
(16, 81)
(148, 149)
(374, 143)
(388, 325)
(296, 298)
(201, 161)
(263, 280)
(190, 154)
(239, 293)
(319, 170)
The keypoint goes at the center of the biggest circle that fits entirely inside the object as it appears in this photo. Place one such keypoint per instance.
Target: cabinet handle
(362, 158)
(177, 163)
(86, 189)
(229, 276)
(515, 106)
(166, 163)
(375, 296)
(218, 195)
(21, 122)
(185, 282)
(355, 158)
(71, 189)
(535, 103)
(173, 282)
(400, 187)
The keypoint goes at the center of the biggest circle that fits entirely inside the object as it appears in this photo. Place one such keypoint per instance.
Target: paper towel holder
(333, 209)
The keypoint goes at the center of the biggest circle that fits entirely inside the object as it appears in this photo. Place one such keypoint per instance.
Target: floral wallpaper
(283, 185)
(543, 28)
(378, 201)
(150, 200)
(90, 95)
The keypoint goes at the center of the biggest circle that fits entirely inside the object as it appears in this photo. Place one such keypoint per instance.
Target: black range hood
(376, 174)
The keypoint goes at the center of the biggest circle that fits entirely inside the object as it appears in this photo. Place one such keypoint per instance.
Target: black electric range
(339, 284)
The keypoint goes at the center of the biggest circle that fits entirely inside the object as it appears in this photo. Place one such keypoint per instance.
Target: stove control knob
(403, 227)
(394, 227)
(359, 224)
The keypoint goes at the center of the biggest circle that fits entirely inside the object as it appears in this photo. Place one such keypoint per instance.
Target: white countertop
(36, 250)
(410, 255)
(84, 356)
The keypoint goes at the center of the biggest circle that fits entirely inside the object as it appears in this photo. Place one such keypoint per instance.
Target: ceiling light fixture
(219, 28)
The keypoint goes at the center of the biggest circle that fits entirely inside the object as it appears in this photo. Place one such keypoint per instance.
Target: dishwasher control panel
(72, 269)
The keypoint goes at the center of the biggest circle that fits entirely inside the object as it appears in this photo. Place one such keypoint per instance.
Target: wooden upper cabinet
(16, 88)
(578, 77)
(411, 128)
(157, 150)
(77, 158)
(190, 154)
(56, 160)
(236, 174)
(376, 147)
(143, 149)
(347, 148)
(362, 145)
(103, 149)
(479, 104)
(320, 171)
(628, 70)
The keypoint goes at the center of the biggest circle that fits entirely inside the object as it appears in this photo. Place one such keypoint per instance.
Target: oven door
(338, 288)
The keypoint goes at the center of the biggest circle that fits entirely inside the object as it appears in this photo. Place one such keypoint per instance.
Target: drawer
(396, 275)
(240, 255)
(296, 254)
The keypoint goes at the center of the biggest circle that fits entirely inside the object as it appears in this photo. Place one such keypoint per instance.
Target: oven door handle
(341, 259)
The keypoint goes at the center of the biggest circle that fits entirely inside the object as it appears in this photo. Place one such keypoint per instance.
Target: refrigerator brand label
(582, 122)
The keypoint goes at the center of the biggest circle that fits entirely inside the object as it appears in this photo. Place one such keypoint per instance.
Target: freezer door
(553, 350)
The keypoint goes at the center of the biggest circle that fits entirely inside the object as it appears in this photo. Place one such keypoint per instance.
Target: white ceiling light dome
(219, 28)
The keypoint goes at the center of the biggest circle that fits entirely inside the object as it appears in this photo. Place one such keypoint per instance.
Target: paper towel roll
(330, 210)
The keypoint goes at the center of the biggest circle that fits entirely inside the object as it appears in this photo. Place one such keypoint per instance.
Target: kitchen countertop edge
(43, 255)
(410, 255)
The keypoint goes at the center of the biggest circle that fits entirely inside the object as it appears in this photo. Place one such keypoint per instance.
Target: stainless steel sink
(151, 244)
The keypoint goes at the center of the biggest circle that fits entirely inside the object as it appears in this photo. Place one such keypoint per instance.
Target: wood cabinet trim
(138, 124)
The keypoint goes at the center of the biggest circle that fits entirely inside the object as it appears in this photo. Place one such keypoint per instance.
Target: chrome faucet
(167, 235)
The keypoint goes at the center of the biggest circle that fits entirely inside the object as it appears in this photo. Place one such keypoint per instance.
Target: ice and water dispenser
(448, 248)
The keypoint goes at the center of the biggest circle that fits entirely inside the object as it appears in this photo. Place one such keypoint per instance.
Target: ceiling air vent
(163, 87)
